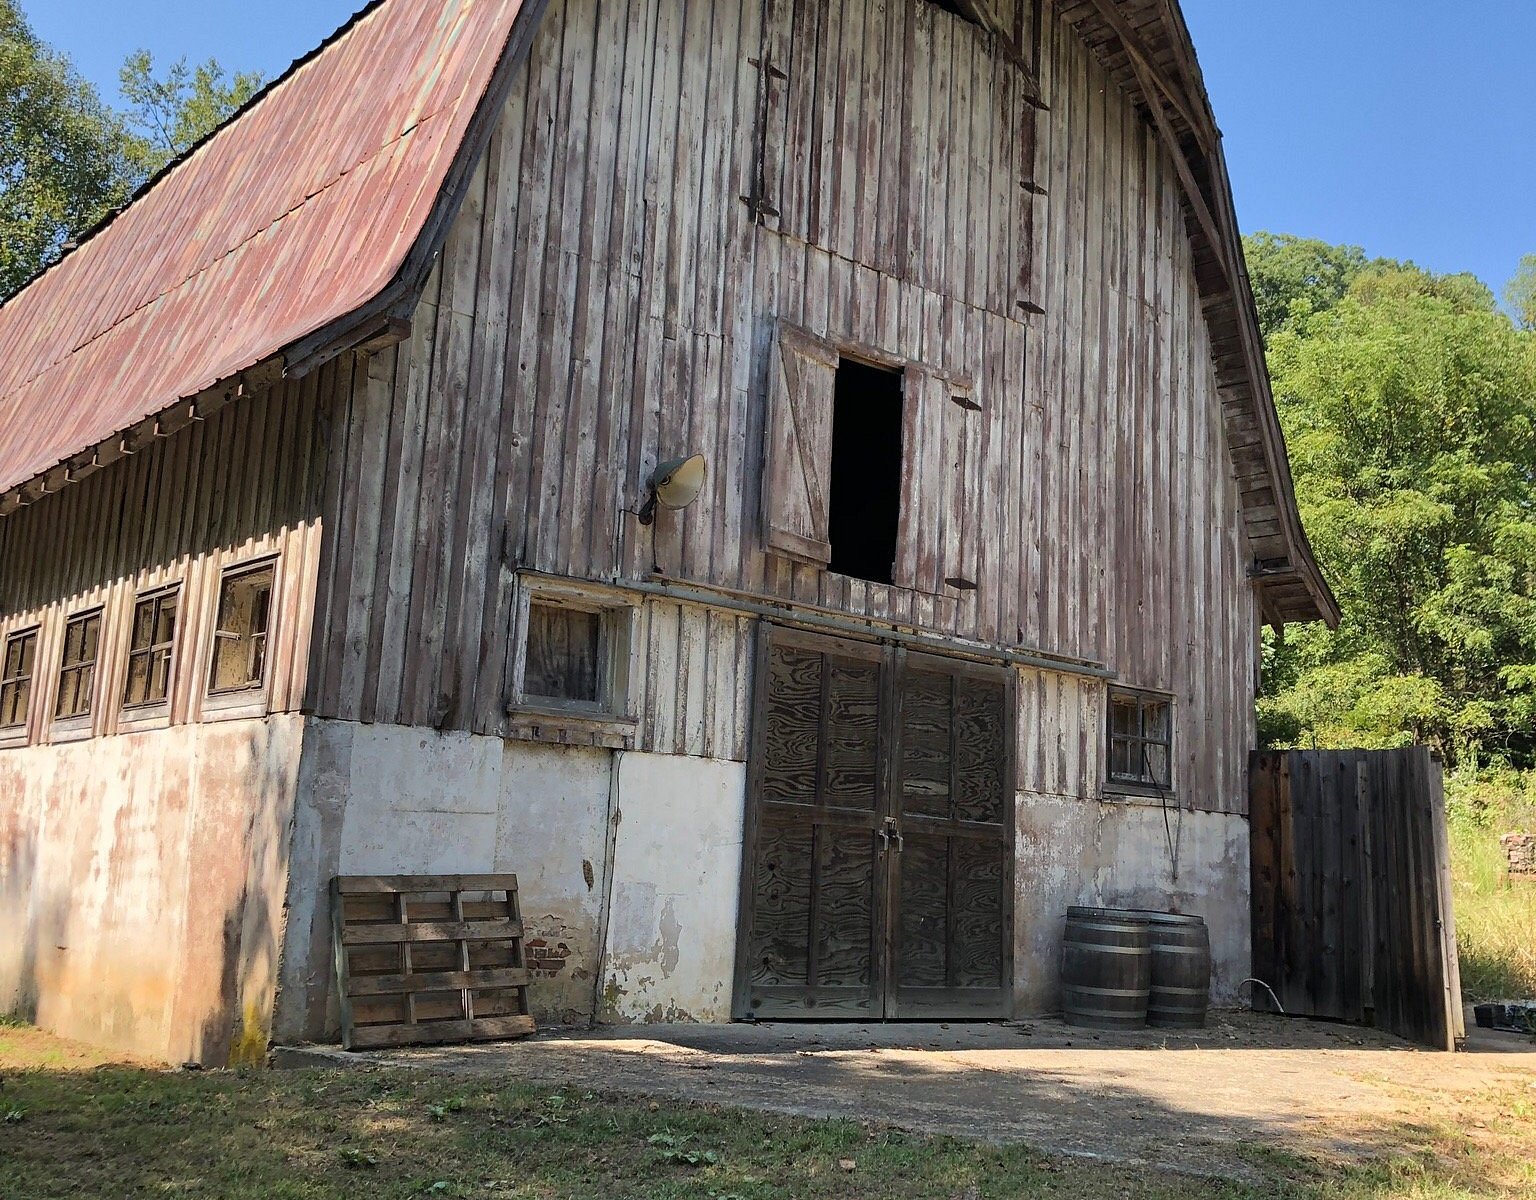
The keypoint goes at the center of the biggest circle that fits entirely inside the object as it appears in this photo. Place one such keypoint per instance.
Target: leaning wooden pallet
(424, 959)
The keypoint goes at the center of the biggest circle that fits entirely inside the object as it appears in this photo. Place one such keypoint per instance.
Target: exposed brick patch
(546, 959)
(1521, 851)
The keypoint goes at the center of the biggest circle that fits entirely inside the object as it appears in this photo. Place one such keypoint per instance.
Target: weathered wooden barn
(321, 472)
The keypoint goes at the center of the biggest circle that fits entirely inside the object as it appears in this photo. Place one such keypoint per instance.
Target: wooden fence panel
(1352, 915)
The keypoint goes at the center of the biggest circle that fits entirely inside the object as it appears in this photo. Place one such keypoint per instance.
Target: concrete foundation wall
(141, 886)
(638, 852)
(390, 800)
(1117, 854)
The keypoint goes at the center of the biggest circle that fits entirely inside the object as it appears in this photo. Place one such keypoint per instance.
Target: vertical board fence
(1352, 916)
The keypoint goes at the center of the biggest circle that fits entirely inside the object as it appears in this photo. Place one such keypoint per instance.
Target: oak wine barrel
(1106, 969)
(1181, 970)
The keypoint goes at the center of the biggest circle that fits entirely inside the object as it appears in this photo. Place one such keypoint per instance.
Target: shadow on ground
(1220, 1102)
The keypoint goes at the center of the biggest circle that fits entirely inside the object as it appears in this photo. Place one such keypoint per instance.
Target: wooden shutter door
(942, 505)
(813, 880)
(797, 460)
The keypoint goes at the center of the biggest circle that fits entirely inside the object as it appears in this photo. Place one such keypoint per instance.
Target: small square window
(16, 678)
(77, 667)
(564, 655)
(151, 648)
(1140, 739)
(240, 635)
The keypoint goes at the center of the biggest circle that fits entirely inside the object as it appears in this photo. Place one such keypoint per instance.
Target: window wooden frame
(18, 677)
(1143, 782)
(71, 668)
(610, 720)
(168, 652)
(245, 692)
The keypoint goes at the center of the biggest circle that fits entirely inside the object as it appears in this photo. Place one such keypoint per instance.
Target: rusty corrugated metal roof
(295, 214)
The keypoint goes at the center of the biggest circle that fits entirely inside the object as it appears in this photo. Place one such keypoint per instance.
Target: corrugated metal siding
(605, 300)
(294, 215)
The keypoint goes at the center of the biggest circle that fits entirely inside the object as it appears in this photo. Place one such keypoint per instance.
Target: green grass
(111, 1131)
(1495, 919)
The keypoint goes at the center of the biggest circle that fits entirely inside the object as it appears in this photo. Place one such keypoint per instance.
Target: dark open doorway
(866, 471)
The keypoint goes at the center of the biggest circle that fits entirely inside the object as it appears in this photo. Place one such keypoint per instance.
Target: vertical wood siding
(238, 486)
(607, 299)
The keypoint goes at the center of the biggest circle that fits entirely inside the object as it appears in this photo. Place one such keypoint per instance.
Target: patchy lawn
(71, 1126)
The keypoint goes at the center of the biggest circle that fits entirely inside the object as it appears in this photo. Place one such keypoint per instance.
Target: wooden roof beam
(1151, 77)
(1193, 196)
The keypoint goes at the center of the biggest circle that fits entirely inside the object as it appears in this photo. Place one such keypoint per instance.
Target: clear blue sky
(1407, 127)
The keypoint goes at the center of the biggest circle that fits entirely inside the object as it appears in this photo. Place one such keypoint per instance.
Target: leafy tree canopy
(67, 159)
(1521, 293)
(170, 113)
(62, 166)
(1409, 405)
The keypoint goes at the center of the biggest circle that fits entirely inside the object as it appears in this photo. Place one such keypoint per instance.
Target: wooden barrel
(1106, 969)
(1181, 970)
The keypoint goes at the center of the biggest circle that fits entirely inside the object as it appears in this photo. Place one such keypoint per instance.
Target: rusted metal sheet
(294, 215)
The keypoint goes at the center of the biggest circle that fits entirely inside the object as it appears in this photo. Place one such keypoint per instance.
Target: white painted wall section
(392, 800)
(671, 945)
(1118, 855)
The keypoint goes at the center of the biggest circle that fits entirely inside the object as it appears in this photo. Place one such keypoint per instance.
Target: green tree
(1297, 275)
(1409, 406)
(67, 159)
(169, 113)
(62, 160)
(1521, 293)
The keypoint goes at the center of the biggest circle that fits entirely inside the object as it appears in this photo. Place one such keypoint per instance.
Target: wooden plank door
(877, 874)
(951, 903)
(813, 875)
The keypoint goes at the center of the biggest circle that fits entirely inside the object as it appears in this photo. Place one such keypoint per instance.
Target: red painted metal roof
(295, 214)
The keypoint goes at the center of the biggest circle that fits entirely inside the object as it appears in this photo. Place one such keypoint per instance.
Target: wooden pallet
(425, 959)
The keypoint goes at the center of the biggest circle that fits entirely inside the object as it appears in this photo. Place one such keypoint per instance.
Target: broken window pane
(240, 638)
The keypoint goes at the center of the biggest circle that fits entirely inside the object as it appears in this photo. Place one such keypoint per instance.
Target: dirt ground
(1206, 1103)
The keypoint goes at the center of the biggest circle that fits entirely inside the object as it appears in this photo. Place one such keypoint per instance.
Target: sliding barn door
(878, 866)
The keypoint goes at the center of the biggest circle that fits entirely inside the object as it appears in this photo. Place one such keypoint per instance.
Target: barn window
(576, 652)
(865, 506)
(77, 667)
(1140, 738)
(240, 636)
(151, 648)
(564, 648)
(16, 678)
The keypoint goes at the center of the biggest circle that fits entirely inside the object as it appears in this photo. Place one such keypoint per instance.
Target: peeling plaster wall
(141, 885)
(1115, 854)
(391, 800)
(671, 943)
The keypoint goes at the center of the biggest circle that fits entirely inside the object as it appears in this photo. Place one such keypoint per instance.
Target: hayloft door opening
(878, 866)
(864, 511)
